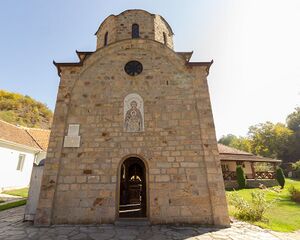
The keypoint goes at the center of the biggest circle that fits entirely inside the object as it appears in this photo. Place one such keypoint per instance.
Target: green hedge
(280, 177)
(241, 178)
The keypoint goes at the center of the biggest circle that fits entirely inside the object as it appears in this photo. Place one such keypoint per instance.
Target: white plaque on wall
(73, 130)
(72, 141)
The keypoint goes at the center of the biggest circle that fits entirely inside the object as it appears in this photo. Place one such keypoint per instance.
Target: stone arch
(133, 113)
(126, 162)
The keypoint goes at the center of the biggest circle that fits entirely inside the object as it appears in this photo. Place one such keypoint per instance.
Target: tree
(269, 140)
(24, 110)
(293, 123)
(280, 177)
(227, 139)
(241, 178)
(293, 120)
(241, 143)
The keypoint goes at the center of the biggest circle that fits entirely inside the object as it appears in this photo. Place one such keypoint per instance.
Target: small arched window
(106, 39)
(135, 31)
(165, 38)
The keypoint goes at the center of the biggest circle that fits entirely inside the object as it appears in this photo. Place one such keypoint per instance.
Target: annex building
(133, 133)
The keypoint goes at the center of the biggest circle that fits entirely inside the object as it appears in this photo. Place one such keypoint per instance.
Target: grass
(22, 192)
(12, 204)
(284, 215)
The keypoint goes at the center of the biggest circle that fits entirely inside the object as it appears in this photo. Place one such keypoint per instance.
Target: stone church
(133, 135)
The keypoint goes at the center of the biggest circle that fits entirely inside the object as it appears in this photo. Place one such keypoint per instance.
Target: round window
(133, 68)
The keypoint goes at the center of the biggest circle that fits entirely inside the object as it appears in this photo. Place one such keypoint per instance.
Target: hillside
(24, 110)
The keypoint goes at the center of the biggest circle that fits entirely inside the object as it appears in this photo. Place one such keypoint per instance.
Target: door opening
(132, 202)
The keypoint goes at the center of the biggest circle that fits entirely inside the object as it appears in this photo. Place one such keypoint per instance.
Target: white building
(20, 148)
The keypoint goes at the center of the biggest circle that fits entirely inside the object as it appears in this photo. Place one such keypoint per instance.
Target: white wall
(10, 177)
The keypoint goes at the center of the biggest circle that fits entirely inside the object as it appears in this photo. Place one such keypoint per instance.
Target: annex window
(135, 31)
(106, 39)
(165, 38)
(21, 162)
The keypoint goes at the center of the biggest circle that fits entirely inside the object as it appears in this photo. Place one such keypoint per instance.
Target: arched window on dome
(165, 38)
(106, 39)
(135, 31)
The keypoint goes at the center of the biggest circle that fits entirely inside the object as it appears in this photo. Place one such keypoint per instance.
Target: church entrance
(132, 203)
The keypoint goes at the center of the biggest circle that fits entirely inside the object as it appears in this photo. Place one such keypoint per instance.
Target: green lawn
(284, 215)
(22, 192)
(12, 204)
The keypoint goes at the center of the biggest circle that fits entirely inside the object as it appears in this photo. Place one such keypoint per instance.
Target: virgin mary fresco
(133, 118)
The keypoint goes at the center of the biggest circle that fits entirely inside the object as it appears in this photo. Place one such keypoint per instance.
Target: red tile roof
(30, 137)
(41, 137)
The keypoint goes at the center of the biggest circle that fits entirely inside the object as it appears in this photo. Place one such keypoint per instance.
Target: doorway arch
(132, 186)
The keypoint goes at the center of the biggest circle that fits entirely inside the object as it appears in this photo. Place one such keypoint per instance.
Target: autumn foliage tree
(267, 139)
(24, 110)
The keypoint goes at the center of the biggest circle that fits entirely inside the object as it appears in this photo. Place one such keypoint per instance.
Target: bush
(241, 178)
(296, 165)
(296, 174)
(295, 193)
(280, 177)
(250, 211)
(296, 168)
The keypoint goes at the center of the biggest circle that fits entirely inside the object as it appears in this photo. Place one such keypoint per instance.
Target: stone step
(132, 222)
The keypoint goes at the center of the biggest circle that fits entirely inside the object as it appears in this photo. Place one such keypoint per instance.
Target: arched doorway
(133, 202)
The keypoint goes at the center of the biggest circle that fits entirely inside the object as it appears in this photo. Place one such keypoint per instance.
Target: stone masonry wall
(179, 146)
(119, 27)
(161, 28)
(110, 27)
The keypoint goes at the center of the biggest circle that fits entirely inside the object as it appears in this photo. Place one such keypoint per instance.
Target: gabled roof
(28, 137)
(233, 154)
(40, 136)
(229, 150)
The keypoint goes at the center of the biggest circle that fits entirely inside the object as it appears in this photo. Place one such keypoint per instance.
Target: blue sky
(255, 46)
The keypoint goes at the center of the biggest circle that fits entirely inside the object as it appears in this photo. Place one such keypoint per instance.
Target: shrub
(280, 177)
(296, 168)
(250, 211)
(295, 193)
(241, 178)
(296, 165)
(296, 174)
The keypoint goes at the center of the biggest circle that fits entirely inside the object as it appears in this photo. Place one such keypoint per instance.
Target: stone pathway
(12, 228)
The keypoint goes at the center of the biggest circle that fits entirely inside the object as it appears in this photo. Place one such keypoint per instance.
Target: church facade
(133, 133)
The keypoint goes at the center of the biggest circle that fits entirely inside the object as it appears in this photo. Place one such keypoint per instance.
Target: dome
(134, 24)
